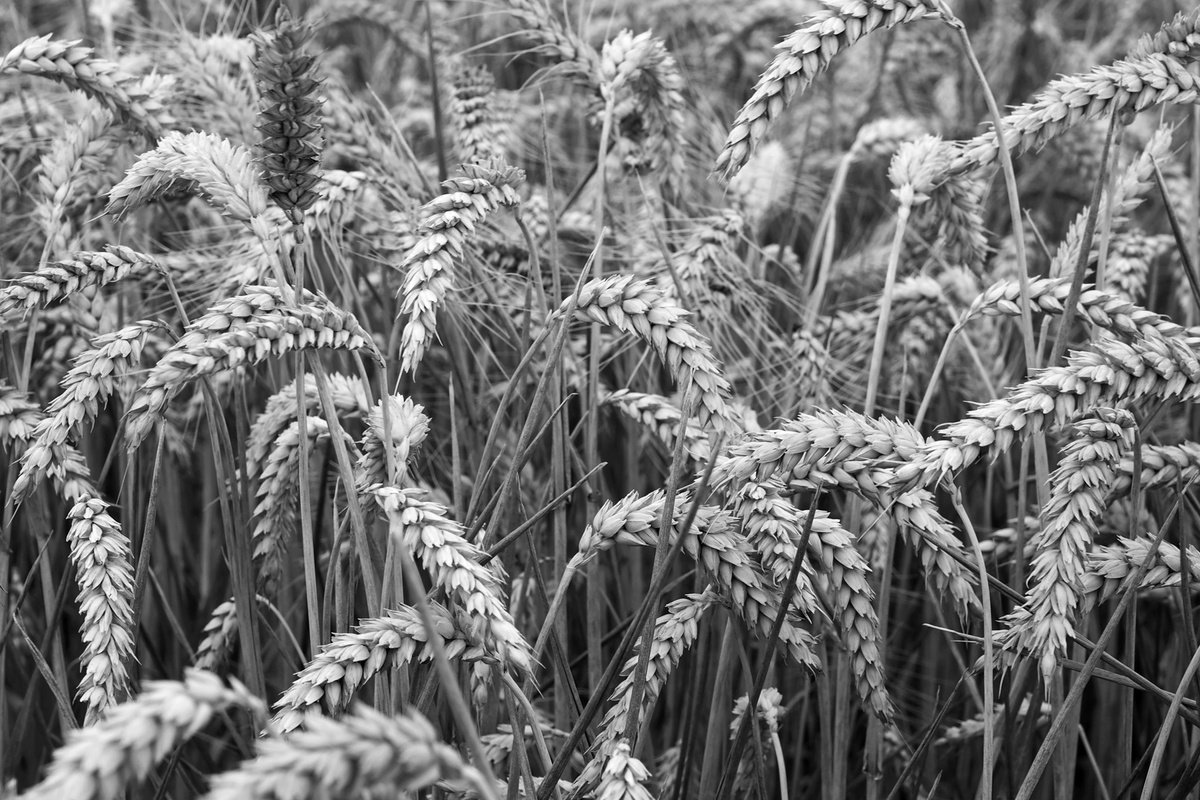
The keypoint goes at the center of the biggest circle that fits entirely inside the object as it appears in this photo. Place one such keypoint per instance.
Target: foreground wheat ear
(803, 55)
(101, 761)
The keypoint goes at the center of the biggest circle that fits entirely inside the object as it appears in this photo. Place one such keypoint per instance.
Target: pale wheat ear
(803, 55)
(100, 761)
(76, 66)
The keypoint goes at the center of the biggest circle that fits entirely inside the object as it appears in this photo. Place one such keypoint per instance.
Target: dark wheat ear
(290, 117)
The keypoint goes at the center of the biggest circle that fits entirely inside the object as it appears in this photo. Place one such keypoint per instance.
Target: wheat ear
(448, 220)
(363, 752)
(1126, 86)
(1108, 566)
(61, 279)
(100, 555)
(242, 331)
(623, 776)
(66, 162)
(77, 67)
(712, 542)
(409, 427)
(474, 591)
(335, 674)
(1046, 622)
(674, 632)
(1162, 465)
(638, 308)
(804, 55)
(98, 762)
(20, 421)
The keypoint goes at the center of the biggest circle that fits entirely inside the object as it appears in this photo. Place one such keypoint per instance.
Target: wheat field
(666, 400)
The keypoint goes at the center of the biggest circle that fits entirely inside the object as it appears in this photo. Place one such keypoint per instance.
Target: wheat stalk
(98, 762)
(804, 55)
(364, 751)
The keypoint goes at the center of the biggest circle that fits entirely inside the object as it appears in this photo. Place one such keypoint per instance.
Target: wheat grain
(100, 555)
(803, 55)
(363, 752)
(1045, 623)
(98, 762)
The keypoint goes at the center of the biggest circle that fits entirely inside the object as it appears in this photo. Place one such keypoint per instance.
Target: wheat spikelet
(448, 220)
(289, 119)
(275, 513)
(333, 676)
(637, 308)
(219, 634)
(409, 426)
(242, 331)
(712, 542)
(61, 279)
(221, 173)
(850, 451)
(474, 591)
(99, 761)
(1046, 622)
(77, 67)
(640, 80)
(64, 164)
(623, 776)
(802, 56)
(674, 632)
(1126, 86)
(100, 555)
(363, 752)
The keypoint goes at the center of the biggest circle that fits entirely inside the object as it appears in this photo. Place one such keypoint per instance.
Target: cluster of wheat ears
(488, 398)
